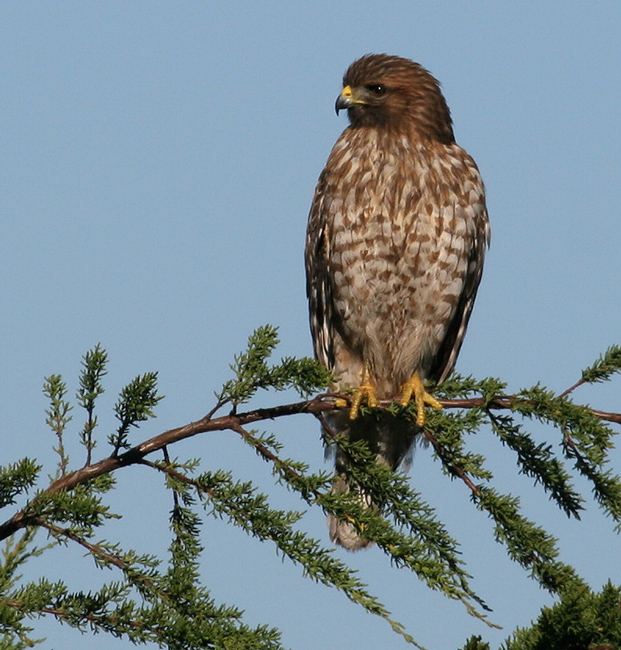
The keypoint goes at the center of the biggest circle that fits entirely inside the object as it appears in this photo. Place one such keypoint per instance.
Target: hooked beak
(345, 99)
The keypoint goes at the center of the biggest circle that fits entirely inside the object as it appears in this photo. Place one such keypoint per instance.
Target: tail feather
(390, 439)
(342, 532)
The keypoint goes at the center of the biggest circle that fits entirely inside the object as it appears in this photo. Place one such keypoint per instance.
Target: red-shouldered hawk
(396, 238)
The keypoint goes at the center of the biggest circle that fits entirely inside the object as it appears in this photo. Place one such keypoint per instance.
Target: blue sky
(159, 160)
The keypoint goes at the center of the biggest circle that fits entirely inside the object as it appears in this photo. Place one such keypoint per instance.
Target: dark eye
(377, 89)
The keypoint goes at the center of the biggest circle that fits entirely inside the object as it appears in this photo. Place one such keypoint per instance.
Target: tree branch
(234, 421)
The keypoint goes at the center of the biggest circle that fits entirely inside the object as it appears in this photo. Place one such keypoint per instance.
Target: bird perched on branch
(396, 237)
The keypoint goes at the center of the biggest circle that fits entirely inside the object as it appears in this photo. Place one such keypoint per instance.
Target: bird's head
(394, 93)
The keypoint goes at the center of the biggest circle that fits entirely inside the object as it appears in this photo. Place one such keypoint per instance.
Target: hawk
(396, 238)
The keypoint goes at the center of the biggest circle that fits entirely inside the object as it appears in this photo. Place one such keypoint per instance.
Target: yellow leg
(416, 387)
(365, 388)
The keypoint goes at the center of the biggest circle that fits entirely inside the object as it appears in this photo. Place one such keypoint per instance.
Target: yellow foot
(416, 387)
(365, 388)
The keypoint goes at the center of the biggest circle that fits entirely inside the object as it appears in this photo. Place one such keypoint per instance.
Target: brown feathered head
(391, 92)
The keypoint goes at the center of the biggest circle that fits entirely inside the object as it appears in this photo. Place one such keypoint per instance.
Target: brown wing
(319, 287)
(446, 357)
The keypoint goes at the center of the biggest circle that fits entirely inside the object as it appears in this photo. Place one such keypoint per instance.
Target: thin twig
(572, 388)
(455, 470)
(63, 613)
(91, 548)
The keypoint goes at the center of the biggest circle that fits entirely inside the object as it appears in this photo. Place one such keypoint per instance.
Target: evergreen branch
(433, 558)
(248, 510)
(316, 406)
(212, 627)
(454, 469)
(606, 487)
(581, 619)
(253, 373)
(17, 478)
(402, 525)
(427, 549)
(174, 598)
(14, 555)
(135, 404)
(602, 370)
(74, 616)
(586, 440)
(527, 544)
(58, 416)
(538, 462)
(104, 558)
(93, 370)
(82, 509)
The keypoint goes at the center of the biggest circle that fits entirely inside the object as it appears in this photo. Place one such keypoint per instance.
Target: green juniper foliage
(93, 371)
(135, 404)
(606, 366)
(164, 600)
(16, 478)
(58, 416)
(581, 620)
(252, 371)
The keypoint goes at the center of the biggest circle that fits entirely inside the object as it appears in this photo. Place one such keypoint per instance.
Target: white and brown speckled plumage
(396, 239)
